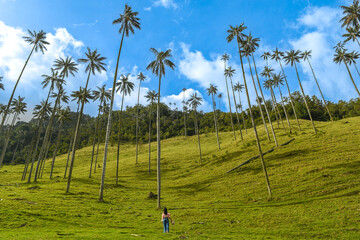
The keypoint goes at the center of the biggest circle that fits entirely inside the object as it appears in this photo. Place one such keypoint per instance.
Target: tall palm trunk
(119, 139)
(13, 92)
(277, 111)
(215, 120)
(231, 119)
(137, 123)
(347, 67)
(236, 110)
(15, 152)
(303, 94)
(76, 136)
(322, 96)
(46, 138)
(158, 147)
(254, 126)
(108, 127)
(263, 98)
(7, 139)
(94, 141)
(257, 97)
(291, 99)
(28, 156)
(197, 132)
(35, 150)
(356, 37)
(70, 144)
(44, 158)
(274, 109)
(283, 105)
(98, 144)
(184, 113)
(56, 149)
(242, 112)
(150, 135)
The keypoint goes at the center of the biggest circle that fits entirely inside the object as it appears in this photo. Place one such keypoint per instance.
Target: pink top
(165, 216)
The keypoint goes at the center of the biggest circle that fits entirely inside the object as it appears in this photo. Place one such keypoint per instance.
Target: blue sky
(194, 30)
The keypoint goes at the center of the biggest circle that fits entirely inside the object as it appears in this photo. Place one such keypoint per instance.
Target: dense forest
(172, 124)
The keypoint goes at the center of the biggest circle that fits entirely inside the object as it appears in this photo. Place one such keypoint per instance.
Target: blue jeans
(166, 225)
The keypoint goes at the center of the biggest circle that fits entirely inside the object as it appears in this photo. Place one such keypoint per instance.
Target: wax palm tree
(306, 55)
(40, 112)
(63, 116)
(351, 15)
(28, 156)
(19, 141)
(219, 97)
(105, 110)
(212, 90)
(351, 59)
(125, 87)
(76, 96)
(18, 107)
(151, 97)
(229, 72)
(128, 21)
(342, 56)
(53, 80)
(352, 34)
(38, 41)
(278, 56)
(236, 32)
(158, 68)
(293, 57)
(266, 56)
(277, 81)
(184, 112)
(1, 84)
(103, 96)
(60, 96)
(67, 67)
(250, 45)
(141, 77)
(239, 87)
(194, 101)
(226, 58)
(267, 73)
(94, 63)
(339, 46)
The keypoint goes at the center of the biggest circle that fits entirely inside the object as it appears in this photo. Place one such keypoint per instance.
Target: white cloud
(131, 100)
(204, 72)
(320, 17)
(147, 9)
(165, 4)
(322, 32)
(177, 99)
(14, 52)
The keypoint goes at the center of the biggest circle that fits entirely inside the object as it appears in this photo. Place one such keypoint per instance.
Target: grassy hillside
(315, 182)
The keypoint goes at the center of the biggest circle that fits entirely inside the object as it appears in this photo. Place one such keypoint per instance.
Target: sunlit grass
(315, 183)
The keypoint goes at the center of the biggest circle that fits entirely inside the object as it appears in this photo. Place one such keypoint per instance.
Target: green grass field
(315, 181)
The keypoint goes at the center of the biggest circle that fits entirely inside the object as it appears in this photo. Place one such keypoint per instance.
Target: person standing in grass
(165, 217)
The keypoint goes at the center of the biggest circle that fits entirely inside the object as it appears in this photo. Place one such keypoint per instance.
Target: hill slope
(315, 183)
